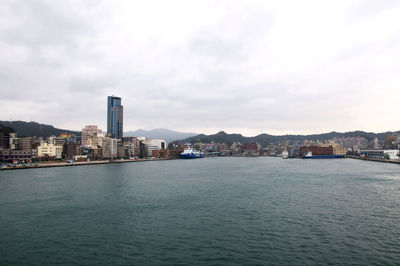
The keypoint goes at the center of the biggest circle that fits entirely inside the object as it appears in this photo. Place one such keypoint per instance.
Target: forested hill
(266, 139)
(35, 129)
(6, 129)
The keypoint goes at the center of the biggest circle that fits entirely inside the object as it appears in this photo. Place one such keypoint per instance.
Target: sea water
(212, 211)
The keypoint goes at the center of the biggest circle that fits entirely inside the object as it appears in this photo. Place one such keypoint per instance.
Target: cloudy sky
(203, 66)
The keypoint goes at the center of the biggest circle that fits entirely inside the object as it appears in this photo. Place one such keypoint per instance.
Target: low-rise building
(252, 148)
(49, 150)
(70, 149)
(154, 144)
(380, 154)
(25, 143)
(8, 155)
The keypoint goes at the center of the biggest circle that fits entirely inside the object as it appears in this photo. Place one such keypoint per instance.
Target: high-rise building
(114, 117)
(110, 150)
(89, 132)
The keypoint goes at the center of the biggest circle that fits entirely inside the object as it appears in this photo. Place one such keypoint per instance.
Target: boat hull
(192, 156)
(323, 157)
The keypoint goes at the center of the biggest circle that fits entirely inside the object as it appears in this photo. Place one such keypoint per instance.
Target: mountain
(159, 133)
(266, 139)
(35, 129)
(6, 129)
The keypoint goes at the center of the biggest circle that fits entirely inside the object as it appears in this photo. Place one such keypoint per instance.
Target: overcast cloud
(203, 66)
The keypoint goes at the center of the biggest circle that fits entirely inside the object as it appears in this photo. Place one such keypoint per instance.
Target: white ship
(190, 153)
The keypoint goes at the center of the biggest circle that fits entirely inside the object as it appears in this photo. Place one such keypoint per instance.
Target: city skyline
(250, 68)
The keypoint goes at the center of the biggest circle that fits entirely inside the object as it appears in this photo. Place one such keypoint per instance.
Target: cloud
(203, 66)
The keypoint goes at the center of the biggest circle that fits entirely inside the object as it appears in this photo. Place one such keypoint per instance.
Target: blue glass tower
(114, 117)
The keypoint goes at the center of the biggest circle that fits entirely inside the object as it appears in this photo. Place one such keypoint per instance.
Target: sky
(249, 67)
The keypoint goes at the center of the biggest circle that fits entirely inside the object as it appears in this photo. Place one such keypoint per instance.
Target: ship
(309, 155)
(322, 151)
(190, 153)
(285, 154)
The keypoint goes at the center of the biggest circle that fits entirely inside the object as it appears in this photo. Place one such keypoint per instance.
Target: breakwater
(375, 160)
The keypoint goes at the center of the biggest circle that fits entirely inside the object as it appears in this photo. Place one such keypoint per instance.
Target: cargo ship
(190, 153)
(322, 151)
(309, 155)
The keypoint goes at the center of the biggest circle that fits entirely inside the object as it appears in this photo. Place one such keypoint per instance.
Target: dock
(65, 164)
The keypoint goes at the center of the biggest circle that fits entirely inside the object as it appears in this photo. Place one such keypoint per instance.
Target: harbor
(168, 212)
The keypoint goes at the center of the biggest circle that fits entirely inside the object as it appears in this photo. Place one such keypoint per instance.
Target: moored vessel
(322, 151)
(190, 153)
(309, 155)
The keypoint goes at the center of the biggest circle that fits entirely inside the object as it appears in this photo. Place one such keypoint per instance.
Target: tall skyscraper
(114, 117)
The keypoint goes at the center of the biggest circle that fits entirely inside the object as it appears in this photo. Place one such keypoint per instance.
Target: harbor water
(212, 211)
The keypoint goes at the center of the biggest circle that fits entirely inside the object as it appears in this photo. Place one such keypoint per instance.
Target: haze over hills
(24, 128)
(159, 133)
(36, 129)
(41, 130)
(266, 139)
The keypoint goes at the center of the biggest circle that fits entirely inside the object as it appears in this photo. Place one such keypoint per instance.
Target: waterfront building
(252, 148)
(380, 154)
(154, 145)
(49, 150)
(7, 155)
(114, 117)
(88, 132)
(160, 154)
(70, 149)
(5, 133)
(94, 153)
(4, 140)
(110, 148)
(14, 141)
(25, 143)
(95, 141)
(237, 148)
(120, 149)
(131, 146)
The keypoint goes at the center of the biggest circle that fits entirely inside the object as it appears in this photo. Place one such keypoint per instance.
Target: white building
(380, 154)
(14, 141)
(154, 144)
(393, 154)
(49, 150)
